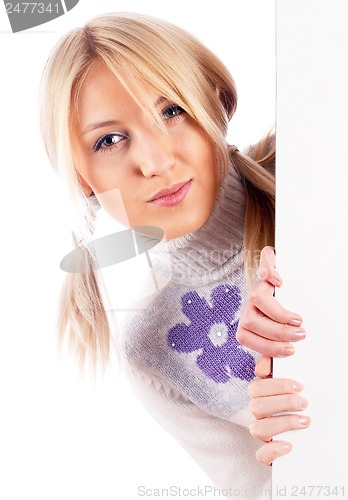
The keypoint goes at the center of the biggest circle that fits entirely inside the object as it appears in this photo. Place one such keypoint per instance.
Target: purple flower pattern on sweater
(213, 331)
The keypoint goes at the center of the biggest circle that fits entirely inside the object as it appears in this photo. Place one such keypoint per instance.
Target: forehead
(102, 95)
(100, 85)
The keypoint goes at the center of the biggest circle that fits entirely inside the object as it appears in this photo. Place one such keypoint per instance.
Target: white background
(59, 436)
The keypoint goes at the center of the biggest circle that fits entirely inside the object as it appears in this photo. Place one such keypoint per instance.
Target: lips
(171, 196)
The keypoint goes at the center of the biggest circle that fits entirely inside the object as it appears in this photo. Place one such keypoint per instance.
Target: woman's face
(141, 175)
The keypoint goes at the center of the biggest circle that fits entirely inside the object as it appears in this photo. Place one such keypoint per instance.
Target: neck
(211, 251)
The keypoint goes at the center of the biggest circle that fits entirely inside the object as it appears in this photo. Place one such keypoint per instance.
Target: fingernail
(286, 351)
(298, 336)
(303, 403)
(276, 278)
(275, 281)
(297, 387)
(295, 322)
(287, 447)
(303, 421)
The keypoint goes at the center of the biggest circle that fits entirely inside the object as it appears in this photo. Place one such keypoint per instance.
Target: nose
(154, 152)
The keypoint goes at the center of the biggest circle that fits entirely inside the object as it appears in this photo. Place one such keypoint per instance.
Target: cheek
(208, 162)
(81, 163)
(115, 205)
(99, 173)
(106, 187)
(197, 148)
(207, 149)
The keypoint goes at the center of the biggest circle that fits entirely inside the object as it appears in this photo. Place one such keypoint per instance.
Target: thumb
(263, 367)
(267, 267)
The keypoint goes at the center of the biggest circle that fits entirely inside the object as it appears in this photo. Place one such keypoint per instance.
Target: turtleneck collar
(213, 250)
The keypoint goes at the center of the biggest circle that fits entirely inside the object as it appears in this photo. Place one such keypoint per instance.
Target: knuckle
(273, 454)
(248, 322)
(252, 387)
(254, 294)
(263, 455)
(269, 349)
(293, 421)
(255, 430)
(253, 407)
(263, 272)
(260, 457)
(290, 402)
(285, 386)
(266, 454)
(268, 250)
(240, 334)
(285, 332)
(293, 401)
(261, 371)
(252, 429)
(278, 336)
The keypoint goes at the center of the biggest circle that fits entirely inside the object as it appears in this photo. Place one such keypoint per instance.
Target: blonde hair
(142, 51)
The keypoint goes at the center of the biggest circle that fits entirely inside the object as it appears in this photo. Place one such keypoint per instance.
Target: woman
(135, 114)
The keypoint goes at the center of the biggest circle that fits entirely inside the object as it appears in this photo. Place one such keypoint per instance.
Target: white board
(312, 210)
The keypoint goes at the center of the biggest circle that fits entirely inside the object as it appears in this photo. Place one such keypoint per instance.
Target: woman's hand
(265, 325)
(269, 397)
(268, 328)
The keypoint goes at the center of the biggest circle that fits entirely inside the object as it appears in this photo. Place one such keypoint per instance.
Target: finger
(267, 267)
(261, 296)
(273, 386)
(270, 405)
(265, 429)
(272, 450)
(259, 344)
(258, 323)
(263, 367)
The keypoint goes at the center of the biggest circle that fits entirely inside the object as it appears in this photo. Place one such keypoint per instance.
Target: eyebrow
(93, 126)
(109, 123)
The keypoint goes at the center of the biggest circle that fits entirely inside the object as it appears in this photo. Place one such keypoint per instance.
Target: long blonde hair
(142, 51)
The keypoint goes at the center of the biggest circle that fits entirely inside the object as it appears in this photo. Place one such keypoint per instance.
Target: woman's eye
(172, 111)
(107, 142)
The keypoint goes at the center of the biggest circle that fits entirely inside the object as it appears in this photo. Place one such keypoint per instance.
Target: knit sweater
(178, 329)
